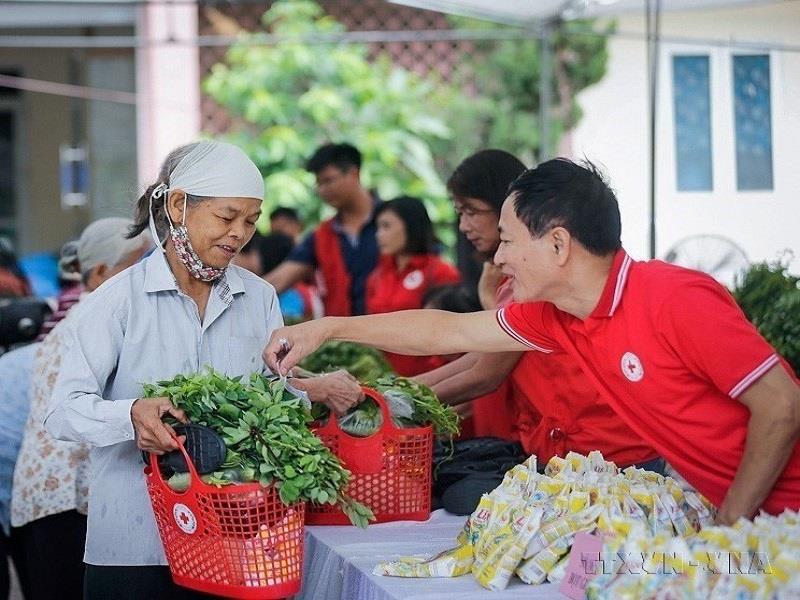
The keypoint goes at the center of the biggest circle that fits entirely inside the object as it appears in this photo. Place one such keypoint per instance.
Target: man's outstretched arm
(412, 332)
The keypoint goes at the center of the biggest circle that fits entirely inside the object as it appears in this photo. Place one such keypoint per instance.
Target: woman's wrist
(309, 386)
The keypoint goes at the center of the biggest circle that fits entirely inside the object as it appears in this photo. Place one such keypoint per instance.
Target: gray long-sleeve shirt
(139, 328)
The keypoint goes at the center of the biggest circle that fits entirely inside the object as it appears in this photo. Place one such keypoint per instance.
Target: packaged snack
(503, 552)
(450, 563)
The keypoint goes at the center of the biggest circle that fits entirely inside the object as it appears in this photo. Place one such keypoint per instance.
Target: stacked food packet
(525, 527)
(756, 560)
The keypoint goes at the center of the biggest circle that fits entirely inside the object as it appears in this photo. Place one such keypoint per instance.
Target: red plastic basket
(391, 470)
(237, 541)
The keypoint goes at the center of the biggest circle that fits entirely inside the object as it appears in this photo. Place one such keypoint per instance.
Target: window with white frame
(692, 110)
(753, 122)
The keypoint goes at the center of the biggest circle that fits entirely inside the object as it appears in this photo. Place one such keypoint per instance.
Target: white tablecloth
(339, 563)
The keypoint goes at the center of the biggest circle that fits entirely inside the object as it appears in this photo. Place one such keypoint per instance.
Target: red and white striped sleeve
(528, 324)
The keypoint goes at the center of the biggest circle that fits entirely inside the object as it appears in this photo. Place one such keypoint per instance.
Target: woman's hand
(152, 434)
(339, 390)
(491, 276)
(289, 345)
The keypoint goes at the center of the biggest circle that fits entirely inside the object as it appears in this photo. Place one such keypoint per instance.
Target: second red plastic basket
(237, 541)
(391, 470)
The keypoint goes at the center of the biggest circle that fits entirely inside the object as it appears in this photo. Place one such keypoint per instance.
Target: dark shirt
(360, 256)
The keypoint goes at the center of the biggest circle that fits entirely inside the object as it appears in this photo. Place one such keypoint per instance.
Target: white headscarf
(211, 169)
(218, 170)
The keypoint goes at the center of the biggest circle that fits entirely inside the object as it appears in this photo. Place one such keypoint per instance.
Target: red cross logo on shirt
(632, 367)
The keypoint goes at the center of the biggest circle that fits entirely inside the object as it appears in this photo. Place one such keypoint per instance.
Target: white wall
(614, 133)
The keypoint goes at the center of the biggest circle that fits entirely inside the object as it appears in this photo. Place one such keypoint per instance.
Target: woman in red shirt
(408, 267)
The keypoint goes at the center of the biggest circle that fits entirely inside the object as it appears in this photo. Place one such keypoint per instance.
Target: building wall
(108, 131)
(44, 124)
(614, 133)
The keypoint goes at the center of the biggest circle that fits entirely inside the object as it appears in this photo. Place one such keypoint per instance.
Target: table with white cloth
(339, 562)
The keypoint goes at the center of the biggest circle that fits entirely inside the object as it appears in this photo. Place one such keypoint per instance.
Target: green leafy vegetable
(362, 362)
(411, 404)
(265, 430)
(427, 407)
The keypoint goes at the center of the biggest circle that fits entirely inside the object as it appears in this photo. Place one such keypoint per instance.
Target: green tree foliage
(501, 106)
(770, 297)
(291, 97)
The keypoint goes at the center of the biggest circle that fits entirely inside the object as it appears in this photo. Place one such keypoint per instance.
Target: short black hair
(486, 176)
(274, 248)
(562, 193)
(343, 156)
(285, 212)
(452, 298)
(420, 238)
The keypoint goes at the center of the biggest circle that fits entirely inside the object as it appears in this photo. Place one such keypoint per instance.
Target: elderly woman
(183, 308)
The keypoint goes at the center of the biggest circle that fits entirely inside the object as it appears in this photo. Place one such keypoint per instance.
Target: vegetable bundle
(362, 362)
(266, 434)
(427, 409)
(411, 404)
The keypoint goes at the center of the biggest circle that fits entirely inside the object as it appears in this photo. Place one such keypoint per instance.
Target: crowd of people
(567, 344)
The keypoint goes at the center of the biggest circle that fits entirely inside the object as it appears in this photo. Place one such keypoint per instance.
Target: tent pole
(545, 88)
(653, 28)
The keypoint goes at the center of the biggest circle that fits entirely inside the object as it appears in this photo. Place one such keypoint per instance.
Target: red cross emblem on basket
(184, 518)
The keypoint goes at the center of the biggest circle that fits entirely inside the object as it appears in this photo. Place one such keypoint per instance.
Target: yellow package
(642, 496)
(631, 508)
(562, 527)
(550, 486)
(477, 521)
(557, 573)
(578, 500)
(680, 521)
(499, 524)
(660, 522)
(578, 463)
(555, 466)
(503, 552)
(450, 563)
(534, 570)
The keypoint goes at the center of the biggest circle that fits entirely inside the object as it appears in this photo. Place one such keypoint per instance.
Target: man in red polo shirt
(667, 347)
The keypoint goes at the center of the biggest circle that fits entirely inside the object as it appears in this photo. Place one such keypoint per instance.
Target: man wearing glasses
(342, 249)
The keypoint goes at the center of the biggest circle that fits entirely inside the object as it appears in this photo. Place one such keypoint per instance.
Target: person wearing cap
(667, 347)
(51, 478)
(183, 308)
(69, 279)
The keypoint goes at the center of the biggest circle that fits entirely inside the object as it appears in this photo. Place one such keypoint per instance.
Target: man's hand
(289, 345)
(464, 410)
(491, 276)
(773, 433)
(152, 434)
(339, 390)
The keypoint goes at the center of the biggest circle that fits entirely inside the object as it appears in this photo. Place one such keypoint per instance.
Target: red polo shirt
(670, 351)
(390, 289)
(556, 409)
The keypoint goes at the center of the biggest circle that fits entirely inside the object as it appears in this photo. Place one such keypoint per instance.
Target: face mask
(183, 247)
